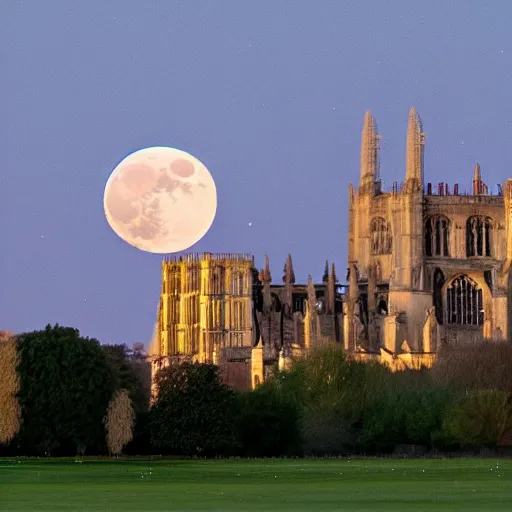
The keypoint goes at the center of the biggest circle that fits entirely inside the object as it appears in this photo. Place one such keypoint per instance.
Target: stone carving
(430, 331)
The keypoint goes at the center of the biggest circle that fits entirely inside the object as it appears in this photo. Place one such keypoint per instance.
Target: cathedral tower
(205, 305)
(426, 266)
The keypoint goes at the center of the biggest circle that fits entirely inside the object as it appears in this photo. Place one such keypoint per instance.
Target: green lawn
(308, 485)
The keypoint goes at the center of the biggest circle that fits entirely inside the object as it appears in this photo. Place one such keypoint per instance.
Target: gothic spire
(289, 281)
(325, 277)
(414, 154)
(333, 274)
(267, 277)
(289, 274)
(369, 155)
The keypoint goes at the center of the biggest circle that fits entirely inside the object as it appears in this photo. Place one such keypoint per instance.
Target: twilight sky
(270, 95)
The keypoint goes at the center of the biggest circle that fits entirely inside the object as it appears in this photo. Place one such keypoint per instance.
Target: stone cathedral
(426, 266)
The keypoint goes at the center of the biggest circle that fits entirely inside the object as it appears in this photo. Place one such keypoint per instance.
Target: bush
(478, 418)
(404, 416)
(483, 365)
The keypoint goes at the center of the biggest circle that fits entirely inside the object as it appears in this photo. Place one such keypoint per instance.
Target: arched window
(464, 302)
(437, 236)
(382, 241)
(238, 316)
(237, 283)
(479, 236)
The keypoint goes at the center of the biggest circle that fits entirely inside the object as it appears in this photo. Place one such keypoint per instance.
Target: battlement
(208, 256)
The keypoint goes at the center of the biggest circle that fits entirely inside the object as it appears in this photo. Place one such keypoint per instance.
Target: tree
(65, 386)
(10, 412)
(119, 422)
(194, 412)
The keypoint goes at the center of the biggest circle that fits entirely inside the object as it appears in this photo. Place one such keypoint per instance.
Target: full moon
(160, 200)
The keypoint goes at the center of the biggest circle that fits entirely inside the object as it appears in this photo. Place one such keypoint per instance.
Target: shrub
(483, 365)
(479, 418)
(404, 416)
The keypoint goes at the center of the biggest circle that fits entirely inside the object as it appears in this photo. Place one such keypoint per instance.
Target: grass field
(295, 485)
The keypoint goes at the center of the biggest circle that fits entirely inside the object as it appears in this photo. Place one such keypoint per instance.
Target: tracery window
(238, 316)
(437, 236)
(464, 302)
(237, 283)
(382, 241)
(479, 236)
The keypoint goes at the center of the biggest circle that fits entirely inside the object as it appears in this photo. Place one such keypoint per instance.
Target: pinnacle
(477, 175)
(414, 120)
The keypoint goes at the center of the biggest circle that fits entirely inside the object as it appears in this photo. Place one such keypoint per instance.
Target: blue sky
(270, 95)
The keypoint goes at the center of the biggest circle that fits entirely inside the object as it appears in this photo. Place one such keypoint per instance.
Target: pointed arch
(479, 231)
(437, 236)
(464, 302)
(237, 283)
(381, 237)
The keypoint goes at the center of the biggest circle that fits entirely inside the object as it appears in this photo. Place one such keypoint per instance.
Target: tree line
(63, 394)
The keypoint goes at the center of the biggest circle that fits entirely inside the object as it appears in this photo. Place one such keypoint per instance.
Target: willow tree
(119, 421)
(10, 416)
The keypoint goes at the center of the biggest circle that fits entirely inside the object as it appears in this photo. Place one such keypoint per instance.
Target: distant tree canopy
(66, 384)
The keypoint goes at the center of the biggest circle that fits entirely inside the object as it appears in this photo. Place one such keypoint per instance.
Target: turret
(414, 154)
(369, 156)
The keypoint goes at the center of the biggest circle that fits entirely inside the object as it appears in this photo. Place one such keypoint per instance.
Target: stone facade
(218, 308)
(426, 267)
